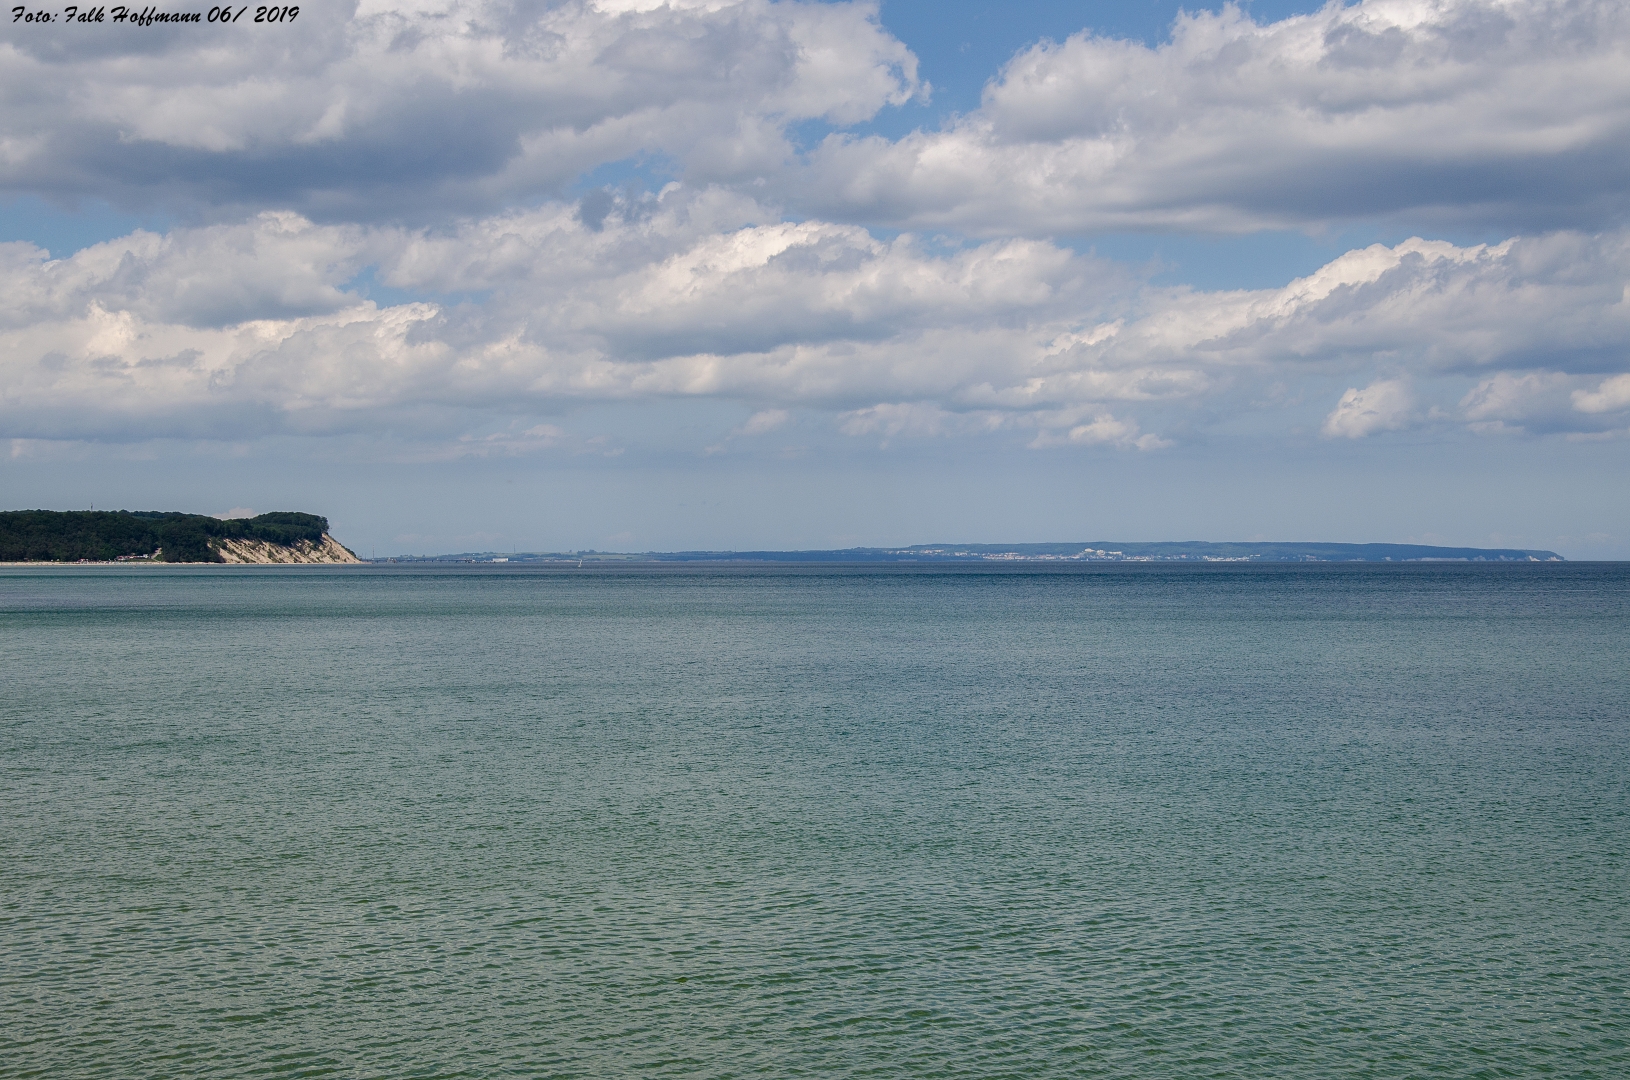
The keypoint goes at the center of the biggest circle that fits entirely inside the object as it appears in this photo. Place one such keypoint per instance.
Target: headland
(79, 536)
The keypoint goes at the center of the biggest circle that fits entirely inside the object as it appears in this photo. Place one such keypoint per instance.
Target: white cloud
(891, 419)
(255, 327)
(1612, 395)
(1076, 426)
(1510, 113)
(1514, 402)
(277, 265)
(1385, 405)
(1514, 113)
(372, 108)
(1507, 396)
(1103, 429)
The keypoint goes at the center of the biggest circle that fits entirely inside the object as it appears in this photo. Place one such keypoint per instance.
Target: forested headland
(108, 535)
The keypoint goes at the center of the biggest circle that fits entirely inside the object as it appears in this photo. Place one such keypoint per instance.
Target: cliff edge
(326, 550)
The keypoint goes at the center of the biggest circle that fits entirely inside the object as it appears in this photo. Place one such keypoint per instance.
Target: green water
(838, 822)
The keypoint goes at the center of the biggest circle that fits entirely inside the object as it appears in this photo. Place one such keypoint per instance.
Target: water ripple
(1126, 822)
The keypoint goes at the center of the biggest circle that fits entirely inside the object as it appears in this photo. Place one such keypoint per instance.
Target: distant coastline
(123, 536)
(1098, 551)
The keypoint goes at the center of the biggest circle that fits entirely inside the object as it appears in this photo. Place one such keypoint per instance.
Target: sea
(1150, 820)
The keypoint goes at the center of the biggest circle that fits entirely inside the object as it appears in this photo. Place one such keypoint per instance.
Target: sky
(706, 274)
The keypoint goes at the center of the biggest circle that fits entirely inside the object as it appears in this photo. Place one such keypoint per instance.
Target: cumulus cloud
(1516, 402)
(1384, 405)
(416, 225)
(366, 108)
(1511, 113)
(1612, 395)
(259, 327)
(278, 265)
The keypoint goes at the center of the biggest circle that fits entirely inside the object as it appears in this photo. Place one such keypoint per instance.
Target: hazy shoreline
(1186, 551)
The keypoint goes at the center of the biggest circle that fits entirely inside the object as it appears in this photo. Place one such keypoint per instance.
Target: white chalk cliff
(245, 550)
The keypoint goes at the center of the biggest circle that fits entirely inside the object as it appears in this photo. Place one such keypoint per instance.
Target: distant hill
(1190, 551)
(127, 535)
